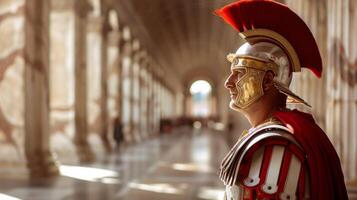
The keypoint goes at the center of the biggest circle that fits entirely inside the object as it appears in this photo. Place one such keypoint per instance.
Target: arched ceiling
(181, 35)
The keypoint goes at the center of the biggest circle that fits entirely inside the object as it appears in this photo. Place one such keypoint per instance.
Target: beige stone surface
(93, 61)
(11, 82)
(11, 32)
(7, 6)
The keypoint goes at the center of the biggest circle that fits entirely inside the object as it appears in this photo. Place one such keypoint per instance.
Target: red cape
(326, 175)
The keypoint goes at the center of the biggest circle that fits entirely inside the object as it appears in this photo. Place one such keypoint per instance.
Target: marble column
(158, 105)
(150, 101)
(40, 160)
(119, 102)
(133, 98)
(143, 95)
(126, 61)
(155, 109)
(187, 99)
(85, 154)
(147, 97)
(342, 82)
(113, 61)
(104, 86)
(140, 90)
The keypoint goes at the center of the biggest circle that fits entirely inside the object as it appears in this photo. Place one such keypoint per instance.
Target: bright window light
(200, 91)
(200, 86)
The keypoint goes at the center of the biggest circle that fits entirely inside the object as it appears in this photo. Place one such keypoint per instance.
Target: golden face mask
(250, 86)
(266, 56)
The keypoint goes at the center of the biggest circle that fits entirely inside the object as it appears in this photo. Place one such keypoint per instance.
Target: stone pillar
(150, 101)
(122, 51)
(85, 154)
(147, 97)
(186, 101)
(143, 95)
(126, 61)
(132, 110)
(40, 160)
(153, 101)
(119, 103)
(104, 86)
(157, 105)
(342, 82)
(133, 100)
(120, 77)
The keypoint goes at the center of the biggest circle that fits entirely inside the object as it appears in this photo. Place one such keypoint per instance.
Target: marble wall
(341, 82)
(84, 76)
(11, 81)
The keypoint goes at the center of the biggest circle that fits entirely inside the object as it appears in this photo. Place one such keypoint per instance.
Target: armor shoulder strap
(231, 164)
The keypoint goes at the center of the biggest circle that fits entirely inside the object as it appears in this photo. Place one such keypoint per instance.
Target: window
(200, 98)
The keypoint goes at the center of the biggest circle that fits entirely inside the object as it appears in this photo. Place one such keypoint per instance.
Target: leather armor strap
(276, 134)
(253, 176)
(231, 163)
(292, 179)
(269, 164)
(271, 182)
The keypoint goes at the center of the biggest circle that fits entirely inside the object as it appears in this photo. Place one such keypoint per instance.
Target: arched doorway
(200, 101)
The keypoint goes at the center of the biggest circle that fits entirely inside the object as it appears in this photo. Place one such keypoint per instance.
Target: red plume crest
(266, 14)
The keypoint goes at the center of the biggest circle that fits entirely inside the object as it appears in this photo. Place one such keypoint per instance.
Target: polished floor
(179, 166)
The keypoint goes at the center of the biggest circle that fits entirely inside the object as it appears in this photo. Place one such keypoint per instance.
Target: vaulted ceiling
(183, 36)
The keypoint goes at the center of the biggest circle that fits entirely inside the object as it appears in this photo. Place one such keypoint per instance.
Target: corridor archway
(200, 102)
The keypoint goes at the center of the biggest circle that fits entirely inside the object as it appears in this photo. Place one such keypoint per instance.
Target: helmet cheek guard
(249, 88)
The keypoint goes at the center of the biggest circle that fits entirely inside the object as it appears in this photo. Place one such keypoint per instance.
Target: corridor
(180, 166)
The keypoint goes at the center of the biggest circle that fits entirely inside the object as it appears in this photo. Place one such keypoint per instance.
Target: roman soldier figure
(285, 155)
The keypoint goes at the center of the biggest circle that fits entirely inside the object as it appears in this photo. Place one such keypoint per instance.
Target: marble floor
(182, 165)
(178, 166)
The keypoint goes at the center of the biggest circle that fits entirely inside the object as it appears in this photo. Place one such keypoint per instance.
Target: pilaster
(40, 159)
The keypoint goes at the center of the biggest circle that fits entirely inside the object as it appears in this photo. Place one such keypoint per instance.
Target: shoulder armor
(231, 163)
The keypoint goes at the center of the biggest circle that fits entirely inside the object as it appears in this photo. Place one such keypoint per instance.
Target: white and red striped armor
(266, 163)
